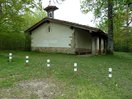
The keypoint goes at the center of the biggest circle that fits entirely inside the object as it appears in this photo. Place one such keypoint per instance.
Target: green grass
(90, 82)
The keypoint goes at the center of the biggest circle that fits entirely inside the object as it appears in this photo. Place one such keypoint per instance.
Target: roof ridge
(73, 24)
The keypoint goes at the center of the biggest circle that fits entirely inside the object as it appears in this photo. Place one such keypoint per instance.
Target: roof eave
(92, 29)
(35, 25)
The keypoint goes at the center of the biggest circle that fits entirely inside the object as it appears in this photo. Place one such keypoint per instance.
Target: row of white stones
(48, 64)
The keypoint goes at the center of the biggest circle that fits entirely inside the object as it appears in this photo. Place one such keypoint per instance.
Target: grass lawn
(90, 82)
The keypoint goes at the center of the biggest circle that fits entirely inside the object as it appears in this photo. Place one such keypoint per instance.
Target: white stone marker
(110, 69)
(10, 57)
(27, 59)
(48, 62)
(48, 65)
(10, 54)
(75, 67)
(110, 75)
(75, 64)
(110, 72)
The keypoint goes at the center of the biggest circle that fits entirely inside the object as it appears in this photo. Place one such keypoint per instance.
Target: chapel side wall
(83, 41)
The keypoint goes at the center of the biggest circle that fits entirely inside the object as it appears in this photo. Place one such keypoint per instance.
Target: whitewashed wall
(59, 36)
(83, 39)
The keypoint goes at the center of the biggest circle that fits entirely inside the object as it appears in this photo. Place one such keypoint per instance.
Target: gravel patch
(32, 89)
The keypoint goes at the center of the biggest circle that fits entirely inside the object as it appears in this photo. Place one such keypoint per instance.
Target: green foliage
(99, 8)
(15, 13)
(120, 40)
(16, 16)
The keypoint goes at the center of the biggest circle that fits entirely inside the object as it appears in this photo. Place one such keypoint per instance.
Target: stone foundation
(78, 51)
(81, 51)
(54, 49)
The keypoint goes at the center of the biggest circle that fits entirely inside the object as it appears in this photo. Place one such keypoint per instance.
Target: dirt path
(32, 89)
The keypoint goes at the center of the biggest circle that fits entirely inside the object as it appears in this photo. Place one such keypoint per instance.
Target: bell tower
(50, 10)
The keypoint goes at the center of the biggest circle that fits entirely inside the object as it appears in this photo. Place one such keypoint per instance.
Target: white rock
(10, 54)
(75, 64)
(110, 69)
(48, 60)
(48, 65)
(10, 57)
(75, 69)
(27, 61)
(27, 57)
(110, 75)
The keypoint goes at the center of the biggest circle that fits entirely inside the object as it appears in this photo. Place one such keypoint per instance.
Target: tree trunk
(110, 47)
(0, 7)
(127, 24)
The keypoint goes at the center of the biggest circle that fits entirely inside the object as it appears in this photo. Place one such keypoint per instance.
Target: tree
(128, 3)
(110, 27)
(0, 7)
(100, 9)
(15, 17)
(12, 12)
(57, 1)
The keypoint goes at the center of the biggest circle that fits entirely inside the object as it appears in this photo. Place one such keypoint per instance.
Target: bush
(14, 41)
